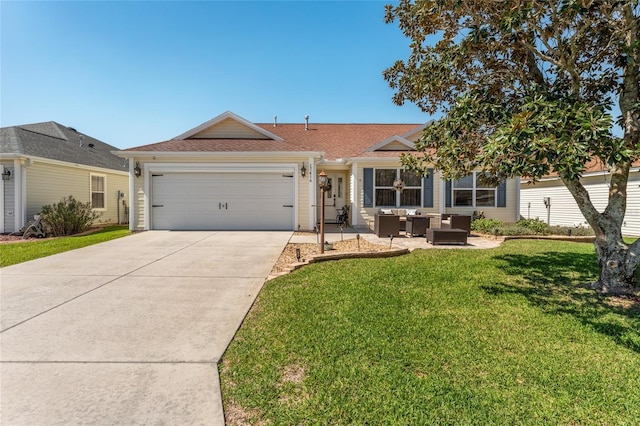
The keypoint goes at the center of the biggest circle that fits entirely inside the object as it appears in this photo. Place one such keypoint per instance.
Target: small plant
(535, 225)
(68, 217)
(486, 226)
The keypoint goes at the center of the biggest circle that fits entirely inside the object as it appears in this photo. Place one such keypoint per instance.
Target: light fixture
(137, 171)
(398, 185)
(298, 255)
(303, 170)
(322, 180)
(6, 174)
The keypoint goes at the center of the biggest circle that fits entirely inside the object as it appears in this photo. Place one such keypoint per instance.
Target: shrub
(68, 216)
(486, 226)
(515, 230)
(577, 231)
(535, 225)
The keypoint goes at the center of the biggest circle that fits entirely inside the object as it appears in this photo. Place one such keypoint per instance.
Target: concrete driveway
(128, 331)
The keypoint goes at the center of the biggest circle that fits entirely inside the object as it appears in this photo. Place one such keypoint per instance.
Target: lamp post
(322, 181)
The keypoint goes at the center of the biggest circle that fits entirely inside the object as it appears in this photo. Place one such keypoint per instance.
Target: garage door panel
(242, 201)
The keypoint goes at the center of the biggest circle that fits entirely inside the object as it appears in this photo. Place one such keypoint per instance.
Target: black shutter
(367, 185)
(447, 194)
(502, 193)
(427, 189)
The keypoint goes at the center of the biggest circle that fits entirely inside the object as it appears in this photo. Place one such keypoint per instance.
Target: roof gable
(393, 143)
(415, 133)
(228, 126)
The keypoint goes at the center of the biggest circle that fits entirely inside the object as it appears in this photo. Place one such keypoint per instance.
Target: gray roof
(57, 142)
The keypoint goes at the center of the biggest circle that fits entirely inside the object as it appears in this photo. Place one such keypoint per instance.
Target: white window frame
(398, 196)
(474, 190)
(103, 192)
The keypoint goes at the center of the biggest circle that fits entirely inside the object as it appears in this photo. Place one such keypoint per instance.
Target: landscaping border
(339, 256)
(576, 239)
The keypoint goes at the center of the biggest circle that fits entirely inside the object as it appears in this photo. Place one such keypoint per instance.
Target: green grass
(13, 253)
(505, 336)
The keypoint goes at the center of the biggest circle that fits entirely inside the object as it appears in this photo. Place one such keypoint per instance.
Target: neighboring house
(229, 173)
(550, 201)
(42, 163)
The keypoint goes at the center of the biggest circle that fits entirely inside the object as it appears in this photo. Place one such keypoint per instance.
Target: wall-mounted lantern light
(137, 171)
(6, 174)
(303, 170)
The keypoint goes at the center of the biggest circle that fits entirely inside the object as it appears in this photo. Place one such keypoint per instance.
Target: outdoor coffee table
(439, 236)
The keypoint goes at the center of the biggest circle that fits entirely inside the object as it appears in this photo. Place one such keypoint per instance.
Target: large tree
(526, 89)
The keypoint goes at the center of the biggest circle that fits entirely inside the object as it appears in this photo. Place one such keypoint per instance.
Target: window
(471, 191)
(387, 196)
(98, 191)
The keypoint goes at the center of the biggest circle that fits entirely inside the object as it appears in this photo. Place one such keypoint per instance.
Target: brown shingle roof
(335, 140)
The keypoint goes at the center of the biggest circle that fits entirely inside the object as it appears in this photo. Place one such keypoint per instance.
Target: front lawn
(504, 336)
(18, 252)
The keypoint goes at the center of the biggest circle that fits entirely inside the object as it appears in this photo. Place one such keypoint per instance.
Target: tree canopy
(527, 88)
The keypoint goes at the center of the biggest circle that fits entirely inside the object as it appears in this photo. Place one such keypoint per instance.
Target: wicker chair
(417, 225)
(458, 222)
(386, 224)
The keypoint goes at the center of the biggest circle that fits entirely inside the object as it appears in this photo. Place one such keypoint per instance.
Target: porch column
(354, 195)
(312, 192)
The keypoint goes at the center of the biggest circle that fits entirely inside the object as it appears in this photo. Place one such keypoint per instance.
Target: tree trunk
(618, 261)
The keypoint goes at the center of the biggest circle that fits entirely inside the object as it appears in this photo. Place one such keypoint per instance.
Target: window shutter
(447, 194)
(427, 189)
(367, 185)
(502, 194)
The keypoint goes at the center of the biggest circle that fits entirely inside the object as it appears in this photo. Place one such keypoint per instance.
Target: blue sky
(133, 73)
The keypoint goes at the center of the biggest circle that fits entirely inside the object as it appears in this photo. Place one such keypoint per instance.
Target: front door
(335, 196)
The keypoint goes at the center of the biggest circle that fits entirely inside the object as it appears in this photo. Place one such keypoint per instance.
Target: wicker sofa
(401, 213)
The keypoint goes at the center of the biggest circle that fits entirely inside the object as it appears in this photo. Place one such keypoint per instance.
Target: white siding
(50, 183)
(564, 210)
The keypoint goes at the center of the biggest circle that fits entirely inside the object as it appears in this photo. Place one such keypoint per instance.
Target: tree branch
(581, 196)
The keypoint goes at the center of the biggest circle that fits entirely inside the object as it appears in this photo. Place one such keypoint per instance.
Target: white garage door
(222, 201)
